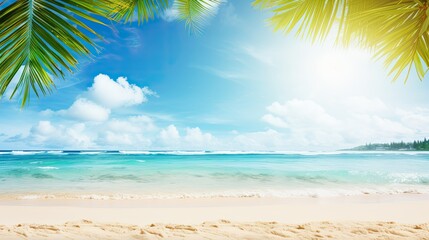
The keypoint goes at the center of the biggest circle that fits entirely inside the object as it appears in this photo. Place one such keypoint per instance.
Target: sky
(237, 86)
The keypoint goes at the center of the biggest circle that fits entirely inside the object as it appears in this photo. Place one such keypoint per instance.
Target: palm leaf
(399, 34)
(45, 37)
(396, 30)
(142, 10)
(311, 19)
(195, 13)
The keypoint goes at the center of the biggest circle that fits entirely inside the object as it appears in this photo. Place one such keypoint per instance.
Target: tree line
(419, 145)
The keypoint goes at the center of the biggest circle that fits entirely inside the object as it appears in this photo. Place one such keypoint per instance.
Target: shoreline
(364, 217)
(405, 208)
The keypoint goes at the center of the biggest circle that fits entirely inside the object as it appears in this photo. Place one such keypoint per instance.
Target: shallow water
(76, 174)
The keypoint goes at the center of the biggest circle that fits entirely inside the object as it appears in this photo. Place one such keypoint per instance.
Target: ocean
(206, 174)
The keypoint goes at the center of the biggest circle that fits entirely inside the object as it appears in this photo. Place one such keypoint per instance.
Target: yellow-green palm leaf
(396, 30)
(195, 13)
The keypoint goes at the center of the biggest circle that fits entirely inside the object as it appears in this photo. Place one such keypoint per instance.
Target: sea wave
(48, 168)
(303, 193)
(26, 152)
(55, 152)
(302, 153)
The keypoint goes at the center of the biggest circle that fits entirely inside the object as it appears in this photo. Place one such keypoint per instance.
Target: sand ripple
(222, 229)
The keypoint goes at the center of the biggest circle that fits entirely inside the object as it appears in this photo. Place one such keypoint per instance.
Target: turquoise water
(118, 175)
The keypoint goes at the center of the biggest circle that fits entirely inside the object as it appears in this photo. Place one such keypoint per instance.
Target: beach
(214, 195)
(370, 217)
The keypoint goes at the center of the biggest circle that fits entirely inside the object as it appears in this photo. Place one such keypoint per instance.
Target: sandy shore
(365, 217)
(222, 229)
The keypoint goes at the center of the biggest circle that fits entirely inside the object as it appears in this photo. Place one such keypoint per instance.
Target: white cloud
(170, 14)
(259, 54)
(104, 96)
(259, 141)
(45, 134)
(134, 132)
(85, 110)
(194, 139)
(114, 94)
(224, 74)
(132, 124)
(366, 105)
(170, 136)
(358, 120)
(303, 113)
(275, 121)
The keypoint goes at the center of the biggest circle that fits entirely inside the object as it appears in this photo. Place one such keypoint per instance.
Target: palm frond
(398, 34)
(142, 10)
(45, 37)
(311, 19)
(396, 30)
(195, 13)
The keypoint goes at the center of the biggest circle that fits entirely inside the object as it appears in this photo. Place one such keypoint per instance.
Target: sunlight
(339, 66)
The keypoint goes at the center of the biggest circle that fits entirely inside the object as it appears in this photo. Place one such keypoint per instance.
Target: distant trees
(410, 146)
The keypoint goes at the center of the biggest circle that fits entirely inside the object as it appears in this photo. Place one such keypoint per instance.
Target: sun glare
(339, 66)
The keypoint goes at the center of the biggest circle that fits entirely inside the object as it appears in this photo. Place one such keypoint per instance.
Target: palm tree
(43, 38)
(396, 31)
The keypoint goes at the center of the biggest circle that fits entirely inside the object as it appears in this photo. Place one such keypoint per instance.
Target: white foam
(134, 152)
(26, 152)
(48, 168)
(55, 152)
(267, 193)
(91, 153)
(35, 197)
(228, 152)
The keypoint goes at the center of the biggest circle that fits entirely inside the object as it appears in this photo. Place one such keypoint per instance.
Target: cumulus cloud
(114, 94)
(129, 133)
(170, 136)
(104, 96)
(193, 139)
(85, 110)
(306, 124)
(132, 133)
(45, 134)
(275, 121)
(304, 113)
(196, 138)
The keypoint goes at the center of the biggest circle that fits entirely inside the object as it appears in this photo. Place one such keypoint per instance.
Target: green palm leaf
(44, 36)
(195, 13)
(142, 10)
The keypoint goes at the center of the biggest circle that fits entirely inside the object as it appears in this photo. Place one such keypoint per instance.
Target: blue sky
(237, 86)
